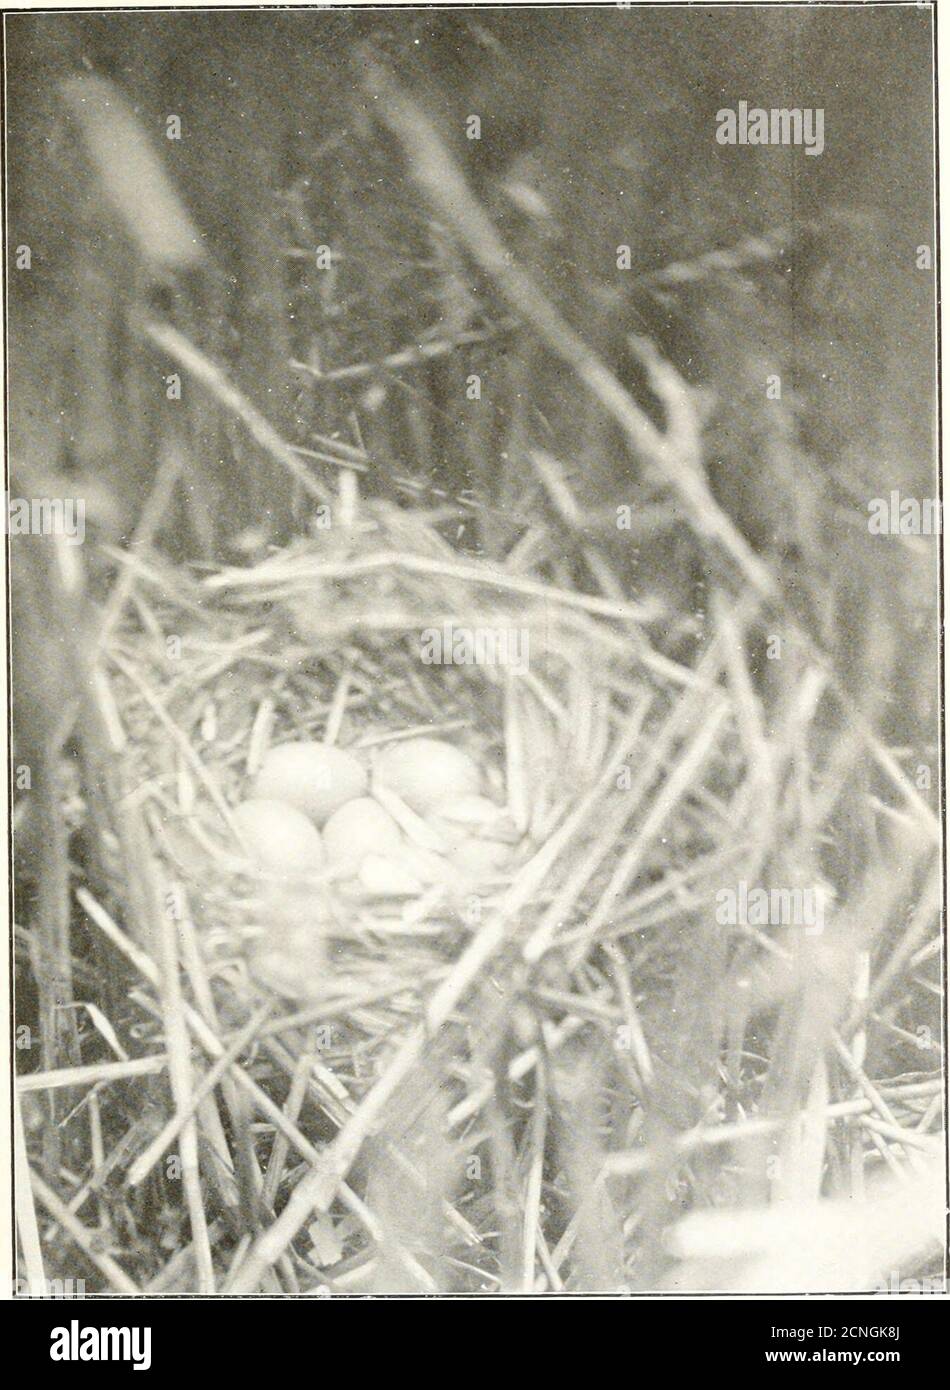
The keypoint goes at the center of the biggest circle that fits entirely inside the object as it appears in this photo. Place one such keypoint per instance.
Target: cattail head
(131, 175)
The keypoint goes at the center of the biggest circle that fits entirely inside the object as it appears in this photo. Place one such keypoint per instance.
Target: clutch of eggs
(310, 814)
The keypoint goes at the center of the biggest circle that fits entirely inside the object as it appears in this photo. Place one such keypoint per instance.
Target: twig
(280, 1148)
(873, 1094)
(415, 355)
(388, 560)
(532, 1201)
(928, 1142)
(191, 757)
(170, 467)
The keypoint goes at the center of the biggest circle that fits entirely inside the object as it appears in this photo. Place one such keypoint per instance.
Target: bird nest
(363, 1067)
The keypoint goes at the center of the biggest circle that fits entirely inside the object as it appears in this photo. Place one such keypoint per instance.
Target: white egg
(359, 828)
(425, 771)
(317, 778)
(279, 838)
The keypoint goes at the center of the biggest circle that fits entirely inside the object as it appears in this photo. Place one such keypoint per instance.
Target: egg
(279, 838)
(425, 771)
(359, 828)
(316, 778)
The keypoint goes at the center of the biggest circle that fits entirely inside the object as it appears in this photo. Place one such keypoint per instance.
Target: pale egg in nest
(316, 778)
(359, 828)
(279, 838)
(425, 771)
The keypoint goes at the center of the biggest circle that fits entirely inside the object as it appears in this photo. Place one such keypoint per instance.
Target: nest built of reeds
(567, 1029)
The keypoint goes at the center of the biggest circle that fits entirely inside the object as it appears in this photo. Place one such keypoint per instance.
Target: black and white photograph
(474, 629)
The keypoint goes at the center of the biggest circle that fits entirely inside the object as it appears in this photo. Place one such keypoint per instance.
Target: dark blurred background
(597, 130)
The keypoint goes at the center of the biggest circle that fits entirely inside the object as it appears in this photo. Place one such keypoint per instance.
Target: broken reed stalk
(386, 560)
(146, 1160)
(96, 1074)
(180, 1076)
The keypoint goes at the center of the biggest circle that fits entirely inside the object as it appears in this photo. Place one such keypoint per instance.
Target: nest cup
(619, 790)
(625, 790)
(367, 635)
(366, 638)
